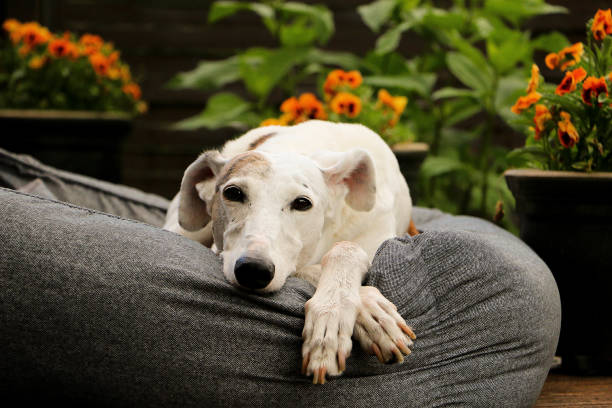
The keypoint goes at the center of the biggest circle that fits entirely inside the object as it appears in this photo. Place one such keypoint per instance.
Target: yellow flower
(37, 62)
(272, 122)
(535, 79)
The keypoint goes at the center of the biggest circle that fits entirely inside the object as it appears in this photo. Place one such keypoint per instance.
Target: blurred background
(159, 39)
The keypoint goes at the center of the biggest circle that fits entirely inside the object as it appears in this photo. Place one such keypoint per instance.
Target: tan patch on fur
(219, 221)
(249, 162)
(262, 139)
(412, 230)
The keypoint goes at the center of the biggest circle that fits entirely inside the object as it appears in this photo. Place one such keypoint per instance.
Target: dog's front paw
(380, 329)
(330, 319)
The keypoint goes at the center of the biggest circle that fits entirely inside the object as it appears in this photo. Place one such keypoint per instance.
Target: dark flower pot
(566, 218)
(82, 142)
(410, 157)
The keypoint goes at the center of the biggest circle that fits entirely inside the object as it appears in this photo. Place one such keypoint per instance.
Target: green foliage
(487, 54)
(298, 28)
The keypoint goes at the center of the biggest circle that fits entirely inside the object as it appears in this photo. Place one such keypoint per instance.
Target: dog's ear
(193, 212)
(355, 169)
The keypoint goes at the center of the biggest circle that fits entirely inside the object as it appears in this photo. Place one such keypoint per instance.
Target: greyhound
(315, 201)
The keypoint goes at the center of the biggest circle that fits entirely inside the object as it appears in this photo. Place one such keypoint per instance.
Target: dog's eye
(301, 204)
(233, 193)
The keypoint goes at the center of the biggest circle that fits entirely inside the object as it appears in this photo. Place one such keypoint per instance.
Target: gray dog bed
(111, 310)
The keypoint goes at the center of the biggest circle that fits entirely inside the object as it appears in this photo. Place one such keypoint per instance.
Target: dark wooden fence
(160, 38)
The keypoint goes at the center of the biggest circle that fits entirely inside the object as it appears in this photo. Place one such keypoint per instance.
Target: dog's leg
(332, 311)
(380, 329)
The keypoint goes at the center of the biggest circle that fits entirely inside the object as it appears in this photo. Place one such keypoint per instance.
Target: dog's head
(271, 211)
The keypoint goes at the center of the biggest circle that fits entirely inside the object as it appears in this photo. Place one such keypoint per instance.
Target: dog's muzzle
(253, 273)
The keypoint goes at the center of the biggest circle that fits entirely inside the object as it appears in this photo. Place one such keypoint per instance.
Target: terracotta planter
(566, 218)
(410, 157)
(82, 142)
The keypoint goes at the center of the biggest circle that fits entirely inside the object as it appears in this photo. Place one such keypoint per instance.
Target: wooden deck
(569, 391)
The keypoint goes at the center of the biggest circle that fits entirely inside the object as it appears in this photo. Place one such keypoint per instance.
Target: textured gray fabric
(17, 170)
(106, 311)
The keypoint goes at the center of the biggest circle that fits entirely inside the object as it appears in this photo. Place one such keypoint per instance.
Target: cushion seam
(85, 209)
(39, 172)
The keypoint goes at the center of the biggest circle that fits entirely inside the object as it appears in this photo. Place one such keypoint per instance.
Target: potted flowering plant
(69, 97)
(345, 98)
(564, 202)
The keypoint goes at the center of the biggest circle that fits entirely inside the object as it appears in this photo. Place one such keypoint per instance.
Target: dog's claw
(378, 353)
(406, 329)
(399, 357)
(341, 361)
(305, 362)
(403, 347)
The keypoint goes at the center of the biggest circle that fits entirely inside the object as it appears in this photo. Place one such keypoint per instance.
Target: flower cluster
(345, 99)
(572, 122)
(85, 72)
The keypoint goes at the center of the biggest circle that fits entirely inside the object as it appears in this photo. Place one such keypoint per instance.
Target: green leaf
(263, 69)
(390, 39)
(320, 18)
(468, 73)
(223, 9)
(375, 14)
(420, 83)
(345, 60)
(450, 92)
(435, 166)
(519, 10)
(551, 42)
(208, 75)
(505, 55)
(437, 19)
(222, 110)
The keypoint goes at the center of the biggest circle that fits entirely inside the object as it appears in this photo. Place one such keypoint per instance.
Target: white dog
(315, 201)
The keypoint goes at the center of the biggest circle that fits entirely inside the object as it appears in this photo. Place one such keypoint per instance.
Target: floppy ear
(355, 169)
(192, 212)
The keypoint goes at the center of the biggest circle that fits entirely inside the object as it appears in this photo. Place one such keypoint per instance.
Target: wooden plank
(571, 391)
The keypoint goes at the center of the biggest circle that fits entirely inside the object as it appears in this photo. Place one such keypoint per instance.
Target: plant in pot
(65, 99)
(564, 198)
(271, 75)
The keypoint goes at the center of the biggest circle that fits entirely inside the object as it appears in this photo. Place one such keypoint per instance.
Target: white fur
(337, 167)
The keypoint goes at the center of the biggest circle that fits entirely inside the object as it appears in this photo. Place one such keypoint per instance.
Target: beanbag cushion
(106, 311)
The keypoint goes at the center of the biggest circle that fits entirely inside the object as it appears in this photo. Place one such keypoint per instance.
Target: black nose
(253, 273)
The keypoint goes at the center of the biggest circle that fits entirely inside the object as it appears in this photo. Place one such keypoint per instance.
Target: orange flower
(291, 107)
(353, 79)
(542, 115)
(272, 122)
(132, 90)
(592, 88)
(37, 62)
(91, 40)
(312, 108)
(569, 82)
(568, 136)
(11, 25)
(347, 104)
(34, 34)
(396, 103)
(24, 50)
(552, 60)
(99, 63)
(602, 24)
(524, 102)
(338, 78)
(61, 47)
(535, 79)
(124, 73)
(571, 55)
(333, 81)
